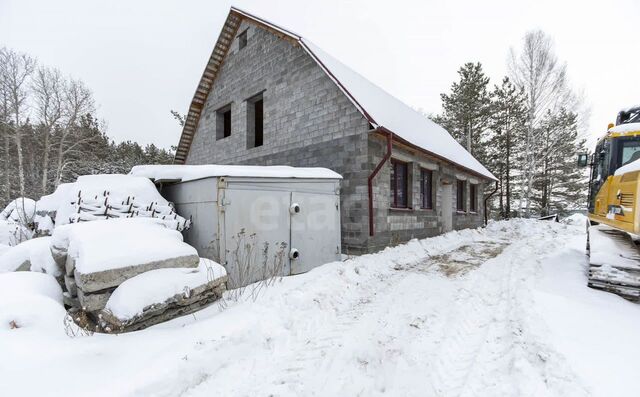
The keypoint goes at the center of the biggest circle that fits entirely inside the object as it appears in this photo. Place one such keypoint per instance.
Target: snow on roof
(191, 172)
(387, 111)
(379, 107)
(625, 128)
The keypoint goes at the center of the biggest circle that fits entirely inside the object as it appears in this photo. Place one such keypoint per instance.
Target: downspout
(386, 157)
(486, 215)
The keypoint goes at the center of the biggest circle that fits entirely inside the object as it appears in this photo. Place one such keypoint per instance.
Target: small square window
(242, 40)
(223, 122)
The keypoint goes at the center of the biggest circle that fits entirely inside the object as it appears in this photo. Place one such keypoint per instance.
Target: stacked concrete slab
(97, 257)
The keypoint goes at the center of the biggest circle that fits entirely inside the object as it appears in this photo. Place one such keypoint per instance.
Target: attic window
(255, 121)
(242, 40)
(223, 122)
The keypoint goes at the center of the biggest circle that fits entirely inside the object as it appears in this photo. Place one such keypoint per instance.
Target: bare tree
(77, 102)
(48, 90)
(4, 130)
(16, 70)
(537, 71)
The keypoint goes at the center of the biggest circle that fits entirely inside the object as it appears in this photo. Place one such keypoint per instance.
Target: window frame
(473, 198)
(393, 185)
(255, 135)
(461, 196)
(426, 202)
(224, 119)
(242, 39)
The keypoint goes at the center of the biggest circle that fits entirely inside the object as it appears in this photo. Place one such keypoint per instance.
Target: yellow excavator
(613, 229)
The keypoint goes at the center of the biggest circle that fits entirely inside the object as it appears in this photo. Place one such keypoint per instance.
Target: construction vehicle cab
(614, 208)
(612, 198)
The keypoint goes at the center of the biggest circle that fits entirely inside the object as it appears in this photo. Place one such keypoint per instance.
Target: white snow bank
(50, 203)
(156, 286)
(625, 128)
(44, 225)
(631, 167)
(576, 219)
(112, 244)
(35, 251)
(30, 300)
(191, 172)
(20, 284)
(4, 248)
(12, 233)
(396, 116)
(22, 210)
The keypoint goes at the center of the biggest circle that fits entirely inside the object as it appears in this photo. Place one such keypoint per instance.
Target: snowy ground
(502, 311)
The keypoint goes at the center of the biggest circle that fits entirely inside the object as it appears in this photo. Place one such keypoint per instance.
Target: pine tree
(508, 126)
(466, 110)
(560, 185)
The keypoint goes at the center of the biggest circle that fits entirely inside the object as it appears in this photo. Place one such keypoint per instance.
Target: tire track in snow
(483, 347)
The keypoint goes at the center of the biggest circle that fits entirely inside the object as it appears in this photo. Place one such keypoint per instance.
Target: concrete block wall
(395, 225)
(309, 122)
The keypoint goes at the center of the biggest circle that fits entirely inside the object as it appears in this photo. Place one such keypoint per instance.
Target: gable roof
(380, 108)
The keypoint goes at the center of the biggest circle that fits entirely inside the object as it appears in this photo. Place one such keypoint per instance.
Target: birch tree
(77, 102)
(537, 70)
(15, 72)
(48, 92)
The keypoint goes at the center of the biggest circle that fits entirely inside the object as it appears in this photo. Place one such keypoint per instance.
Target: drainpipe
(386, 157)
(486, 215)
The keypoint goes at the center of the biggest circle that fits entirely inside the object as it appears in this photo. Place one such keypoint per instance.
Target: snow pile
(30, 300)
(21, 210)
(43, 224)
(96, 197)
(34, 255)
(48, 205)
(4, 248)
(191, 172)
(576, 219)
(12, 233)
(157, 293)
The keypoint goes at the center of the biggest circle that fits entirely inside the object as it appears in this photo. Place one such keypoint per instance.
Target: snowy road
(503, 311)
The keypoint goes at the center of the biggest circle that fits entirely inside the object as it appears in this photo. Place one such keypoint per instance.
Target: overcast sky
(144, 58)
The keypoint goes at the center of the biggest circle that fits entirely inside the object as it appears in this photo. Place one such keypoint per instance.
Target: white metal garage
(256, 221)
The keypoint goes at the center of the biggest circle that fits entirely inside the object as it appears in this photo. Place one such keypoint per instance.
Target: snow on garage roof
(192, 172)
(380, 108)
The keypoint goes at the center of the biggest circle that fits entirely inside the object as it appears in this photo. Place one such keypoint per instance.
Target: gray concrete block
(70, 285)
(97, 281)
(175, 306)
(93, 302)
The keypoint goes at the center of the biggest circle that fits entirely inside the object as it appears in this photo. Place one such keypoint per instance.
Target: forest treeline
(50, 133)
(525, 129)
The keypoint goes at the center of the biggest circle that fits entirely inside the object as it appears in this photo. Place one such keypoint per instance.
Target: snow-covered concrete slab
(103, 254)
(163, 294)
